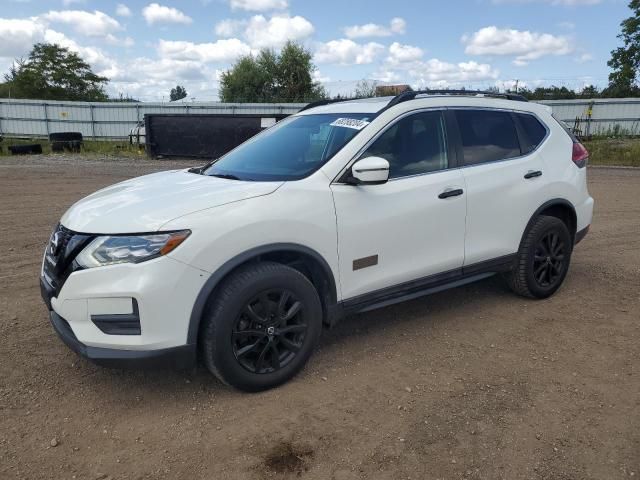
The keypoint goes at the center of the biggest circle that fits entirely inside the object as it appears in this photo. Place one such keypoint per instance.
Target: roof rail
(327, 101)
(411, 94)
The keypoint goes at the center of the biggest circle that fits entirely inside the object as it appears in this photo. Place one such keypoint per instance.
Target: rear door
(504, 173)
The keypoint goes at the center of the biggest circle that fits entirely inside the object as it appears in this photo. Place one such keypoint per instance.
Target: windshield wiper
(224, 175)
(201, 170)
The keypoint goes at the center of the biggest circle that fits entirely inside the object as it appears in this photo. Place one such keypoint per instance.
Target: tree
(548, 93)
(272, 77)
(589, 91)
(365, 89)
(625, 60)
(52, 72)
(177, 93)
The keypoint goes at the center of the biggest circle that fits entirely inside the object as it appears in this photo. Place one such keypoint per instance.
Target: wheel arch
(560, 208)
(302, 258)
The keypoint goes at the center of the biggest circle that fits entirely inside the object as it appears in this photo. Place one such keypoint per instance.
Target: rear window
(534, 131)
(487, 136)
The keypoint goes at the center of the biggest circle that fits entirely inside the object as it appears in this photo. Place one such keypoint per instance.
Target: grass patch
(119, 148)
(614, 151)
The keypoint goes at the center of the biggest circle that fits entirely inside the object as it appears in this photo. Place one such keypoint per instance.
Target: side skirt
(424, 286)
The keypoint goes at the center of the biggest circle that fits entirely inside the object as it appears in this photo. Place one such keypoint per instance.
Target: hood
(146, 203)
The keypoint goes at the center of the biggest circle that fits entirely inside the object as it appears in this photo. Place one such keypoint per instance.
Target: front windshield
(292, 149)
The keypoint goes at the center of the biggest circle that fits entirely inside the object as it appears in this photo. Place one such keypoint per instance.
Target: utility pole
(517, 85)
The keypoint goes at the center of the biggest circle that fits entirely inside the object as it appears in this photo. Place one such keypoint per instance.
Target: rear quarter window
(534, 131)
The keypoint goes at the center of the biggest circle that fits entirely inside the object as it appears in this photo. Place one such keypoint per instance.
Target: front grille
(63, 247)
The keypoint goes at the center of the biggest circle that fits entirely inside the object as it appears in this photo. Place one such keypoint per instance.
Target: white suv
(341, 208)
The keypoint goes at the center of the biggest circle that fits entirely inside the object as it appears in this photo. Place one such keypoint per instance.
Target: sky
(147, 47)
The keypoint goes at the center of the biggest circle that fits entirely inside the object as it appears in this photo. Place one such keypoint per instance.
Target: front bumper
(581, 234)
(177, 357)
(92, 312)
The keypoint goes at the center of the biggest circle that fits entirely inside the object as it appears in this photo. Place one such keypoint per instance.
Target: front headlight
(109, 250)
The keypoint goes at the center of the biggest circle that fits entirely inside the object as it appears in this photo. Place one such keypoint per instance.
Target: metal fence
(114, 120)
(606, 116)
(110, 120)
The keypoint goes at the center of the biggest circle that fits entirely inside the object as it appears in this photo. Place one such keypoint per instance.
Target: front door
(411, 227)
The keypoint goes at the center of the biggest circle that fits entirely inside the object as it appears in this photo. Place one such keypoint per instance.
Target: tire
(541, 265)
(254, 337)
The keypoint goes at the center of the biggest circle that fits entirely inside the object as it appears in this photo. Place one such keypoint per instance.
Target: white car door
(410, 228)
(504, 179)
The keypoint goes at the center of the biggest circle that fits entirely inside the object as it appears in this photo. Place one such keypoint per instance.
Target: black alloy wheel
(549, 259)
(269, 332)
(543, 258)
(261, 326)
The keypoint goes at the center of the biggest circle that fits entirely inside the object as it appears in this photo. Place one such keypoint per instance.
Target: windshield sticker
(354, 123)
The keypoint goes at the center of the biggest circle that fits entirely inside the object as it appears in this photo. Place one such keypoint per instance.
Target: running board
(427, 291)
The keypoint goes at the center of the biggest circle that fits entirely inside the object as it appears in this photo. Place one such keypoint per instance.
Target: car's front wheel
(261, 326)
(542, 260)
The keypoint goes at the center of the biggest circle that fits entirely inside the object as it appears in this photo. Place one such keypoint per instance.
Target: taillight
(580, 154)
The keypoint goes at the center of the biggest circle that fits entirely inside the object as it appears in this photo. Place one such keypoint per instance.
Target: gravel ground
(471, 383)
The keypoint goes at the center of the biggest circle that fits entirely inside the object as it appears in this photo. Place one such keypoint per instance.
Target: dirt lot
(471, 383)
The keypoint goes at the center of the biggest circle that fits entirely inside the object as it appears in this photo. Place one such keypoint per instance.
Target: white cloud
(17, 36)
(156, 13)
(348, 52)
(435, 73)
(388, 76)
(122, 10)
(396, 26)
(443, 74)
(584, 58)
(66, 3)
(152, 79)
(119, 42)
(225, 50)
(144, 78)
(276, 31)
(399, 53)
(260, 32)
(94, 56)
(318, 77)
(524, 45)
(96, 24)
(228, 27)
(168, 69)
(258, 5)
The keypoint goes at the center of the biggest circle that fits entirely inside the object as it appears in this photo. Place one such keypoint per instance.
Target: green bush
(614, 151)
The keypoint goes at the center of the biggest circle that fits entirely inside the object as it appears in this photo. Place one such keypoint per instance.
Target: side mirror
(369, 171)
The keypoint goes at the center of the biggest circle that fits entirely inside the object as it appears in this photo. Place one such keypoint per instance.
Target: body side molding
(426, 285)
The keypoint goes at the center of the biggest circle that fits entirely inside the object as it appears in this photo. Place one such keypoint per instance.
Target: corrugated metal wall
(607, 116)
(114, 120)
(110, 120)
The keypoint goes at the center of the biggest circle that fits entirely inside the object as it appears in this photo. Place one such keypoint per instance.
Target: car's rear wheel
(261, 326)
(542, 260)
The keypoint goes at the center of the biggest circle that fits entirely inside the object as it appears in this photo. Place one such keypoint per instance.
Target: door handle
(451, 193)
(533, 174)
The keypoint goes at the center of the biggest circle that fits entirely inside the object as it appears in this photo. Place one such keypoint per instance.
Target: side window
(414, 145)
(487, 136)
(534, 132)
